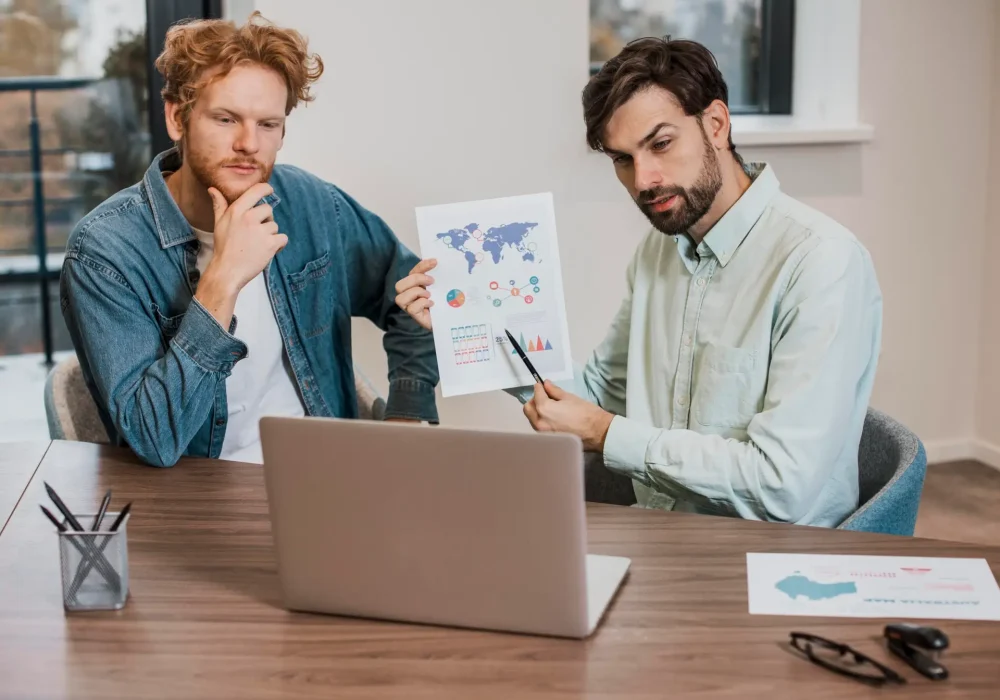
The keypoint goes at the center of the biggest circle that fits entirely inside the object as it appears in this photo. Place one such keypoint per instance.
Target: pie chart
(456, 298)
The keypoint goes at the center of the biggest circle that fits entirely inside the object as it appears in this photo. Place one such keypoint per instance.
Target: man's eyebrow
(653, 132)
(231, 113)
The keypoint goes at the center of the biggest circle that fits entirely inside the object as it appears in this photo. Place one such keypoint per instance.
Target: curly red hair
(200, 51)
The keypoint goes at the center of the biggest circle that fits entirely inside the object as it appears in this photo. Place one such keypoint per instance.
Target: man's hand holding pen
(553, 409)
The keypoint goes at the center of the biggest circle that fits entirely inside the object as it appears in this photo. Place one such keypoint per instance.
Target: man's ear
(716, 122)
(175, 128)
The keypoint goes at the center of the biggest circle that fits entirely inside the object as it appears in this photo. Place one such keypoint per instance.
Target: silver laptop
(433, 525)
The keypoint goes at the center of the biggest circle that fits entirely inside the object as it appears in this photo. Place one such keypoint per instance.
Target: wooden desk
(205, 621)
(18, 461)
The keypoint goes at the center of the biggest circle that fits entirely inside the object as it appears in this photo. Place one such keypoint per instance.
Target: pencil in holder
(94, 566)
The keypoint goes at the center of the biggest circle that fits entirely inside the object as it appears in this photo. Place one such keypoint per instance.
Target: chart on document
(498, 270)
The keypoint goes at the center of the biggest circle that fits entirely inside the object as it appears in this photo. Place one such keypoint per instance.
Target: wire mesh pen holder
(94, 566)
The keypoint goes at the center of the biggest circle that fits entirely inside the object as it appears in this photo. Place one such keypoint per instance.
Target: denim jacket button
(220, 421)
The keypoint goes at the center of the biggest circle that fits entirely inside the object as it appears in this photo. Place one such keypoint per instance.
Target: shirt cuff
(411, 399)
(625, 447)
(206, 342)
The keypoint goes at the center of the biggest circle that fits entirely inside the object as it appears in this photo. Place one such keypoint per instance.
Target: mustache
(649, 196)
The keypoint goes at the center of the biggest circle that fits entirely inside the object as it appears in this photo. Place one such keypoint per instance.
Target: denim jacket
(156, 361)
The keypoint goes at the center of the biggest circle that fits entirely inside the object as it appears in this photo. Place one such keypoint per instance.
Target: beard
(692, 202)
(211, 174)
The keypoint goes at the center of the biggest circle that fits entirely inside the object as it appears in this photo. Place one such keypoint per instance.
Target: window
(751, 39)
(81, 118)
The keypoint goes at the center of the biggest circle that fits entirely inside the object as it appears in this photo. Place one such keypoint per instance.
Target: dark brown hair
(193, 50)
(685, 68)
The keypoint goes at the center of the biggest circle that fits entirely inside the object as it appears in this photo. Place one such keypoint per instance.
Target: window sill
(752, 130)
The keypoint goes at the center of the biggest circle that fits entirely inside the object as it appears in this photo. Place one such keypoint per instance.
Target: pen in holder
(94, 566)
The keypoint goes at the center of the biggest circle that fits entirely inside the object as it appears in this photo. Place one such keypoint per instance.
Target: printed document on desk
(498, 269)
(833, 585)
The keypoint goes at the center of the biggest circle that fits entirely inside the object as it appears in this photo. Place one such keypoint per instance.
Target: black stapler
(907, 642)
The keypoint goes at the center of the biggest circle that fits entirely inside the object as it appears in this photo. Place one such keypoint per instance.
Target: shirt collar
(171, 226)
(728, 233)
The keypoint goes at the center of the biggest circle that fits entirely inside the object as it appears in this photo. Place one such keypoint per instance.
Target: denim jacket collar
(171, 226)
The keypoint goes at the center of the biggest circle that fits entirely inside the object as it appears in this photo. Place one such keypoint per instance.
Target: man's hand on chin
(555, 410)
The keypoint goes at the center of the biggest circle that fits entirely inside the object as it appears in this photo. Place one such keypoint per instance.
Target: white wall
(988, 413)
(447, 100)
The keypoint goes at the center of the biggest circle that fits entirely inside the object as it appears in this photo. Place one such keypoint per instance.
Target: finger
(260, 213)
(417, 307)
(541, 398)
(411, 295)
(279, 241)
(219, 204)
(415, 280)
(424, 266)
(554, 391)
(249, 199)
(530, 412)
(269, 227)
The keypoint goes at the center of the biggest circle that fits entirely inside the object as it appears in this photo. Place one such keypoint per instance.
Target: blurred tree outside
(31, 37)
(732, 32)
(32, 34)
(114, 121)
(104, 128)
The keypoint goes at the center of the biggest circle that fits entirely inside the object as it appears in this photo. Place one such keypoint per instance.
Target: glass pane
(21, 319)
(731, 29)
(81, 67)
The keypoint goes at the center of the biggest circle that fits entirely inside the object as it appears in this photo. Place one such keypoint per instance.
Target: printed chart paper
(498, 268)
(872, 586)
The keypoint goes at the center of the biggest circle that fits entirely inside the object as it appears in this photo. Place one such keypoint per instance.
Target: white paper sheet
(871, 586)
(498, 268)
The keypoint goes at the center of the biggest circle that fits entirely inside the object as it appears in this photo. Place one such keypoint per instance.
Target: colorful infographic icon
(455, 298)
(514, 291)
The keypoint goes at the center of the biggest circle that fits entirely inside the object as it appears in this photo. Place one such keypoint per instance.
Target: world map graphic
(477, 245)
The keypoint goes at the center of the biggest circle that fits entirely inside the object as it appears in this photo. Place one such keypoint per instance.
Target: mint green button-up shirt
(739, 371)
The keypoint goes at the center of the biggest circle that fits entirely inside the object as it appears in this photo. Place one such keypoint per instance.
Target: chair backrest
(69, 407)
(601, 485)
(72, 413)
(891, 468)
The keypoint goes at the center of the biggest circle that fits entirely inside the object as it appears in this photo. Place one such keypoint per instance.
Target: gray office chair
(72, 414)
(892, 464)
(891, 468)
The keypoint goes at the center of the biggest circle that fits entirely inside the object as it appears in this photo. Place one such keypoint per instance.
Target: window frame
(160, 15)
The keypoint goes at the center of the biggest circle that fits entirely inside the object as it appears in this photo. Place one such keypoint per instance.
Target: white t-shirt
(261, 383)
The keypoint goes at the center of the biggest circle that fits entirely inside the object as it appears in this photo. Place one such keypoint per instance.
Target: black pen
(524, 358)
(88, 554)
(54, 519)
(121, 517)
(70, 518)
(85, 546)
(100, 513)
(81, 574)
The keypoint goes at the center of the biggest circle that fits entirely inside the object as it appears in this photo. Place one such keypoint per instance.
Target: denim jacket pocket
(168, 324)
(312, 296)
(724, 395)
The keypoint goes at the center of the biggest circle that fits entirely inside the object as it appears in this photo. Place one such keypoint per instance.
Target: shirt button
(687, 339)
(701, 282)
(682, 401)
